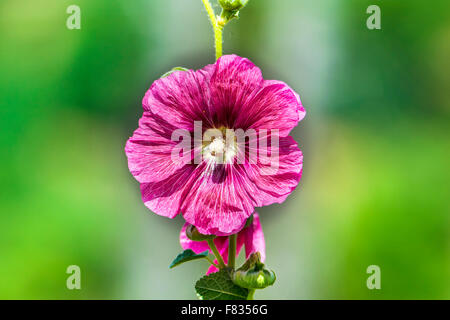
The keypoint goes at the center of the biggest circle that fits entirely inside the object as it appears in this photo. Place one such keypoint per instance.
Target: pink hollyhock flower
(252, 237)
(216, 197)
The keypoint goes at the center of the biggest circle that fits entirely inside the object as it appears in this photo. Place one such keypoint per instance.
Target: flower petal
(254, 238)
(164, 197)
(235, 80)
(181, 98)
(275, 106)
(149, 150)
(186, 243)
(270, 183)
(212, 268)
(214, 203)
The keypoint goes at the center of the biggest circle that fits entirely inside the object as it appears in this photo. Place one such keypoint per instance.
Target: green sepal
(188, 255)
(168, 73)
(230, 10)
(219, 286)
(253, 261)
(249, 221)
(193, 234)
(232, 5)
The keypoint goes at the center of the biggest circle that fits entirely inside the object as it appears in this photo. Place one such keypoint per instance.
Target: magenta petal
(181, 98)
(235, 81)
(215, 204)
(269, 185)
(275, 106)
(212, 268)
(165, 197)
(149, 150)
(254, 238)
(186, 243)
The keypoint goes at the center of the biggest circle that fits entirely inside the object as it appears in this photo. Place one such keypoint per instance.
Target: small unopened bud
(230, 10)
(232, 5)
(253, 274)
(193, 234)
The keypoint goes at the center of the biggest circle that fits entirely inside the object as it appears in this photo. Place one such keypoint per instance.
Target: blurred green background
(375, 187)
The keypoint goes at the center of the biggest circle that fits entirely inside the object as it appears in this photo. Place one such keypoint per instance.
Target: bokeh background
(375, 188)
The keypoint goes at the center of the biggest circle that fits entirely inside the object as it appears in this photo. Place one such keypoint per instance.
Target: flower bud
(254, 279)
(232, 5)
(253, 275)
(230, 10)
(193, 234)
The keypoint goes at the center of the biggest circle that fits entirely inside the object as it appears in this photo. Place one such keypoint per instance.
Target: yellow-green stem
(216, 27)
(232, 250)
(218, 40)
(212, 262)
(216, 253)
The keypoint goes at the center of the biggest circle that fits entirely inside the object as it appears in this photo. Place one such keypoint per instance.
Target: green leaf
(219, 286)
(168, 73)
(187, 255)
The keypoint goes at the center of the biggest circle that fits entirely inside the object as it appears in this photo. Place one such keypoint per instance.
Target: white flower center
(220, 149)
(217, 146)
